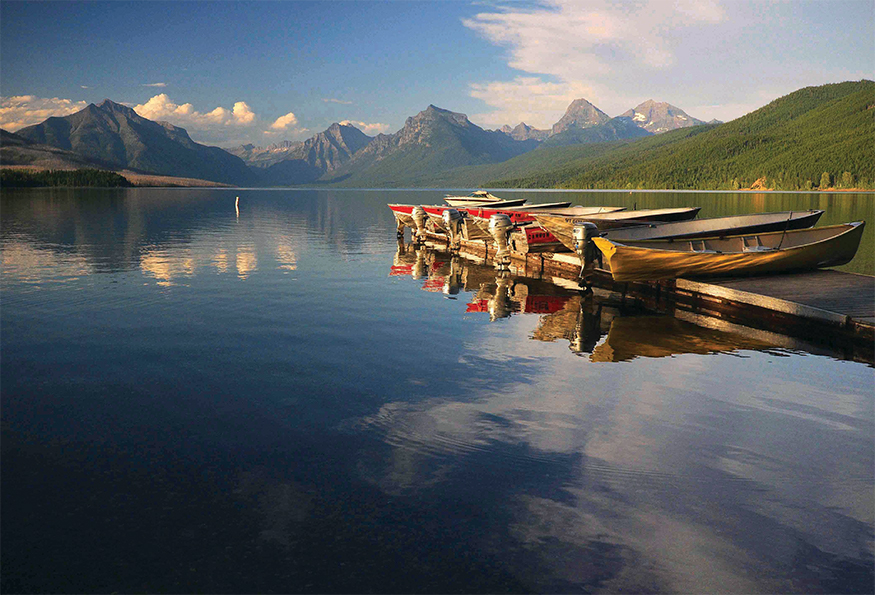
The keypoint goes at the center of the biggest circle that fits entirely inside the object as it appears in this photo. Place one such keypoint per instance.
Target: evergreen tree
(847, 180)
(825, 181)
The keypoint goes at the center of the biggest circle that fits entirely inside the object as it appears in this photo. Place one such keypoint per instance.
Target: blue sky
(263, 72)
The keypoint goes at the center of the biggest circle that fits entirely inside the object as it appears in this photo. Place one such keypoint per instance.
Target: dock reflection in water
(597, 326)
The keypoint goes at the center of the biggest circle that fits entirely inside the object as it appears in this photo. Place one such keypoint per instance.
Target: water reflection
(663, 336)
(680, 474)
(598, 326)
(642, 489)
(286, 254)
(25, 263)
(170, 235)
(205, 403)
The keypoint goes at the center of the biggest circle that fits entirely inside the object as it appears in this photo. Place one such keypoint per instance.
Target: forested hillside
(528, 164)
(815, 137)
(10, 178)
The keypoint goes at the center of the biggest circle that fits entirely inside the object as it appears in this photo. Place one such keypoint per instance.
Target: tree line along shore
(96, 178)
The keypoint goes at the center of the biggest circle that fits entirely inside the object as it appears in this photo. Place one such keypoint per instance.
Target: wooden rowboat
(562, 227)
(717, 226)
(742, 255)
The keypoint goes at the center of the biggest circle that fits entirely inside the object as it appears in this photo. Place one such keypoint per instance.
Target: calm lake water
(287, 400)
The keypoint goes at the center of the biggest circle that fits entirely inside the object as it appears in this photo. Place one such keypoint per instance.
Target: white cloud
(236, 125)
(526, 99)
(284, 122)
(161, 107)
(154, 84)
(19, 111)
(367, 128)
(287, 126)
(243, 114)
(575, 46)
(340, 101)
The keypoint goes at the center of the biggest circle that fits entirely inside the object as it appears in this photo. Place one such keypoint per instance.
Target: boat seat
(700, 247)
(754, 245)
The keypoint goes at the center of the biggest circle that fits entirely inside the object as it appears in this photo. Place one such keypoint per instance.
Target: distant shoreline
(140, 180)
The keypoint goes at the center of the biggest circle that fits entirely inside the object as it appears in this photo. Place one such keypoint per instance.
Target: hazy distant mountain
(316, 156)
(18, 150)
(523, 131)
(433, 140)
(618, 128)
(116, 135)
(304, 162)
(580, 114)
(255, 156)
(659, 117)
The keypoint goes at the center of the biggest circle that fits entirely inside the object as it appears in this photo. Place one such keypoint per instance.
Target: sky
(265, 72)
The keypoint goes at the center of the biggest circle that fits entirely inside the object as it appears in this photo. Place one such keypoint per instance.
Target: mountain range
(441, 148)
(438, 140)
(114, 136)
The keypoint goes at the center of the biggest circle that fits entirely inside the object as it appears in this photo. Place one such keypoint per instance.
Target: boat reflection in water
(498, 293)
(599, 326)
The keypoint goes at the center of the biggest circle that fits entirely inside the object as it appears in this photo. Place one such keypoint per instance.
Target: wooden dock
(826, 306)
(832, 306)
(813, 294)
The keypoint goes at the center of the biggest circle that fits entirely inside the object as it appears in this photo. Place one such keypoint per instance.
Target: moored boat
(403, 213)
(741, 255)
(562, 227)
(618, 216)
(523, 214)
(478, 197)
(542, 206)
(717, 226)
(532, 238)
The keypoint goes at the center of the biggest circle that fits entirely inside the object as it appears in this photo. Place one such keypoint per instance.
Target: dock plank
(849, 294)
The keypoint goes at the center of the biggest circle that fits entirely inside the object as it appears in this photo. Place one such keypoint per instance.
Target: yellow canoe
(756, 254)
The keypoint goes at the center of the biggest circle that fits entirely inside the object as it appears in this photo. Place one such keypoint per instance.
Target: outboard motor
(419, 218)
(453, 221)
(585, 249)
(500, 226)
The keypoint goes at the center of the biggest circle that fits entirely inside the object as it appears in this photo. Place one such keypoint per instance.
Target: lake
(286, 399)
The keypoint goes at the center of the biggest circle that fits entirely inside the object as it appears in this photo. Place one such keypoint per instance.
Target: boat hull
(717, 226)
(745, 255)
